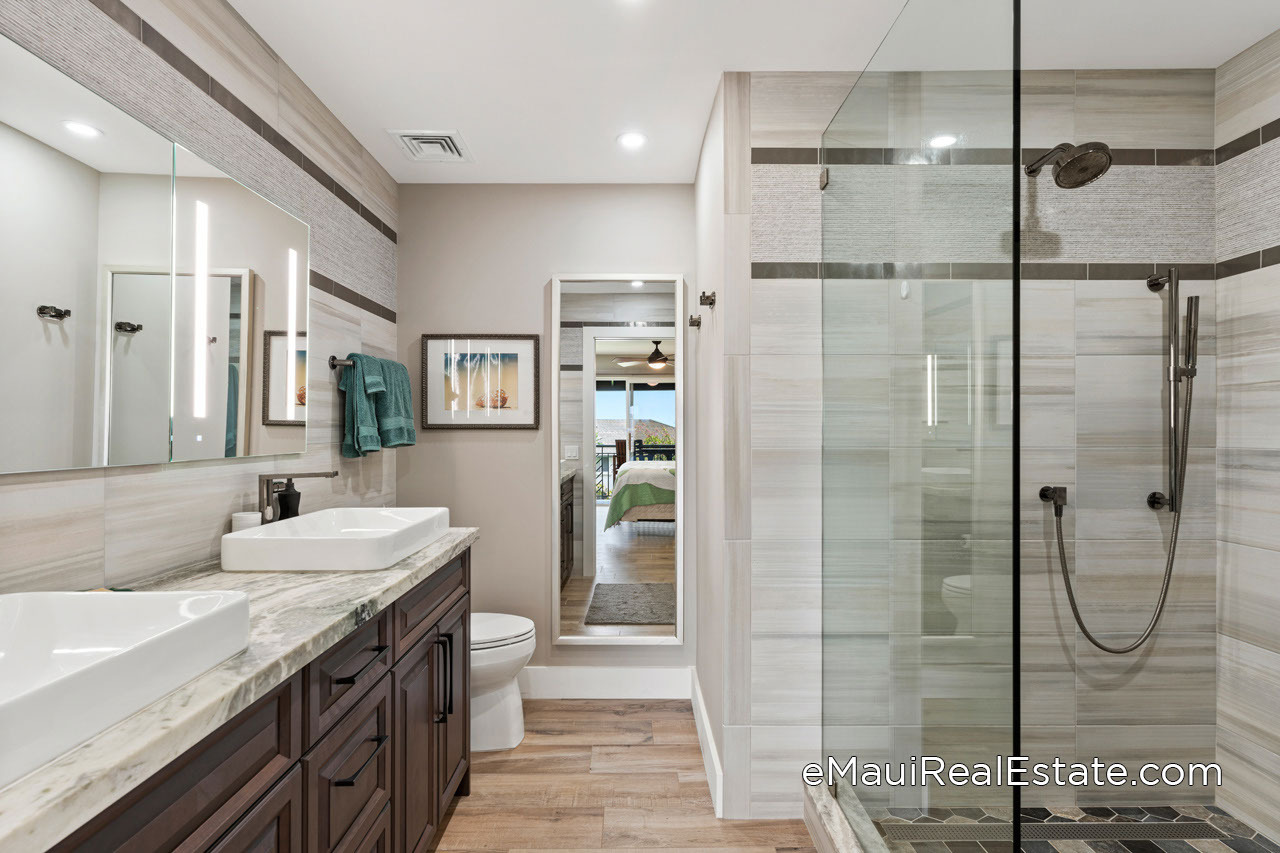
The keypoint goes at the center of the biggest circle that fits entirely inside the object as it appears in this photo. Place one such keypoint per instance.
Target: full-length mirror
(153, 308)
(618, 460)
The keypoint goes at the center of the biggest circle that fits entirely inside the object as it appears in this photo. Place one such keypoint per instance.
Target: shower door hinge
(824, 178)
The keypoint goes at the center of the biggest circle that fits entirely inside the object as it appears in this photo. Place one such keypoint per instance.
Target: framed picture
(277, 391)
(480, 382)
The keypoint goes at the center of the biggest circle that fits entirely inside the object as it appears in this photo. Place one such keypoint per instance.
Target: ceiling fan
(656, 359)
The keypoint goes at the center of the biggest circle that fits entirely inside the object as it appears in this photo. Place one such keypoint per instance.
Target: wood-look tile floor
(630, 552)
(604, 775)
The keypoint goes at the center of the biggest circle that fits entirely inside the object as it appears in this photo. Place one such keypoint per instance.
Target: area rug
(633, 604)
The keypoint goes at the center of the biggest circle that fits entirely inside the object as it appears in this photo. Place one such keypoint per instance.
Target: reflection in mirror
(618, 433)
(124, 359)
(241, 271)
(86, 195)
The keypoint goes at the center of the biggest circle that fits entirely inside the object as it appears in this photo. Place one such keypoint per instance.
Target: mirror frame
(552, 569)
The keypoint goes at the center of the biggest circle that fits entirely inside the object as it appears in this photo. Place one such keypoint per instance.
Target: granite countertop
(566, 473)
(293, 617)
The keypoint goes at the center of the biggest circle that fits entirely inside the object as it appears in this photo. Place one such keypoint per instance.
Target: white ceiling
(540, 90)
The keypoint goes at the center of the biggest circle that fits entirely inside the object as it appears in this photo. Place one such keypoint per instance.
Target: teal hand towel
(394, 407)
(360, 423)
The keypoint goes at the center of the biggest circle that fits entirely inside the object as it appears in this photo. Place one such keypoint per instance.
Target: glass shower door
(919, 432)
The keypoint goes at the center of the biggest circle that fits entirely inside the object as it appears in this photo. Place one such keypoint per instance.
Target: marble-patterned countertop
(293, 617)
(567, 472)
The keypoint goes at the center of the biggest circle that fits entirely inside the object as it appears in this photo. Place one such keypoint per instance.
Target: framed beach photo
(284, 402)
(480, 382)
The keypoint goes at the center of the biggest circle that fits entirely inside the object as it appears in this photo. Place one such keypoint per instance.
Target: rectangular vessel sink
(75, 663)
(345, 539)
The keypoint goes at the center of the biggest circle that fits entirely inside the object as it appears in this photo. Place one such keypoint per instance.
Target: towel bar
(335, 362)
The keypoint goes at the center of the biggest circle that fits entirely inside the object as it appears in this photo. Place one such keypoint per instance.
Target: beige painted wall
(479, 258)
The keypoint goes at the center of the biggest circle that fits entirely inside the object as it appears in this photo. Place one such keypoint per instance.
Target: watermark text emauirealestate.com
(1014, 770)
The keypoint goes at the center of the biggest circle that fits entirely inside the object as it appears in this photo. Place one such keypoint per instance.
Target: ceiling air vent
(432, 146)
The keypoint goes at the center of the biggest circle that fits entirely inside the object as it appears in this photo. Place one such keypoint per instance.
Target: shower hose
(1168, 568)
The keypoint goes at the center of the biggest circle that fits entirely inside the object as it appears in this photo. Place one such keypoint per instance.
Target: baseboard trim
(605, 682)
(707, 741)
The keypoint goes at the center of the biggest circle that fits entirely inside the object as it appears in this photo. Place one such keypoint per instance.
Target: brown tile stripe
(967, 156)
(965, 271)
(131, 23)
(322, 282)
(1248, 141)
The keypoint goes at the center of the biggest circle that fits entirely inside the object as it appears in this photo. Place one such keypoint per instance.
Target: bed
(643, 491)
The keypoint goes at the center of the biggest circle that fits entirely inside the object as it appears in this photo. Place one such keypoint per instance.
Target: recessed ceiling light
(637, 283)
(79, 128)
(632, 140)
(945, 140)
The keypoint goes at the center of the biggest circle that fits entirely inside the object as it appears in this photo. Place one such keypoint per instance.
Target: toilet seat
(494, 630)
(958, 584)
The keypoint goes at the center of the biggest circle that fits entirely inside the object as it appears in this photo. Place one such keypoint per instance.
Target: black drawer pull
(448, 638)
(443, 716)
(381, 741)
(364, 670)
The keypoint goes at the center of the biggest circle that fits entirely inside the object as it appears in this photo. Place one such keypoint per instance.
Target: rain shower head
(1075, 165)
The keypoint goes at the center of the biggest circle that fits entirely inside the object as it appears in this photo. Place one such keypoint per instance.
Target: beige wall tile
(1045, 608)
(786, 493)
(1136, 745)
(859, 589)
(1249, 691)
(1248, 90)
(738, 463)
(1118, 583)
(1247, 311)
(1121, 401)
(1112, 488)
(786, 587)
(1048, 317)
(851, 487)
(52, 530)
(1048, 402)
(1249, 400)
(1248, 595)
(737, 142)
(1125, 318)
(786, 317)
(739, 600)
(213, 34)
(1168, 108)
(382, 193)
(1048, 108)
(1250, 782)
(857, 404)
(786, 402)
(778, 757)
(307, 123)
(786, 679)
(735, 305)
(793, 109)
(1171, 681)
(855, 316)
(1246, 483)
(857, 680)
(1047, 467)
(1048, 677)
(1043, 744)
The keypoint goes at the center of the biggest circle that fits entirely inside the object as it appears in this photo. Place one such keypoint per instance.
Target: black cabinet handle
(381, 741)
(443, 716)
(448, 638)
(364, 670)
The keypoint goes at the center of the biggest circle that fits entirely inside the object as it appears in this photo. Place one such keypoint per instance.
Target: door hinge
(824, 178)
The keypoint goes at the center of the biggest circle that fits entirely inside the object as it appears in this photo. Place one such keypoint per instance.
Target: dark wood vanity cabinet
(361, 752)
(566, 530)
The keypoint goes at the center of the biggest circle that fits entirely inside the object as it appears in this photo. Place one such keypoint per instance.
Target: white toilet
(957, 595)
(501, 644)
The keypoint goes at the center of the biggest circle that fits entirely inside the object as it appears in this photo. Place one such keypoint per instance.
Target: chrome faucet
(269, 484)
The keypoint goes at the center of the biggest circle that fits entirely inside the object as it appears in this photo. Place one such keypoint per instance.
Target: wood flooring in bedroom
(630, 552)
(604, 775)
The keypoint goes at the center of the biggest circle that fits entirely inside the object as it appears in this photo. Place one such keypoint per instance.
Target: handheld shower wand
(1178, 443)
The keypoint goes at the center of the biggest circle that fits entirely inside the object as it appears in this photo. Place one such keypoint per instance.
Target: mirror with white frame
(149, 300)
(617, 447)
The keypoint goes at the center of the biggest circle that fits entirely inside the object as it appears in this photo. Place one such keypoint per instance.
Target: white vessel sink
(346, 539)
(75, 663)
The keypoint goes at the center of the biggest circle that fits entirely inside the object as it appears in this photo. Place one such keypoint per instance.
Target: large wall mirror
(618, 459)
(153, 309)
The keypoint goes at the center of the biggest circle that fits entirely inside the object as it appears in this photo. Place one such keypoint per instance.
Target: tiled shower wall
(1092, 420)
(1248, 221)
(81, 529)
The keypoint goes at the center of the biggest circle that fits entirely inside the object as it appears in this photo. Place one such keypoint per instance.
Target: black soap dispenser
(288, 499)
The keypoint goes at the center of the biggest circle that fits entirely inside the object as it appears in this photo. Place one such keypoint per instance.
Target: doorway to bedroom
(619, 442)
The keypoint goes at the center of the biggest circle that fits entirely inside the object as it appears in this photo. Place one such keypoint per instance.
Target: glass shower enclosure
(920, 426)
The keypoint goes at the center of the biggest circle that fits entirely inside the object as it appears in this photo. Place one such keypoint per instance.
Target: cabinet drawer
(414, 614)
(194, 800)
(566, 489)
(273, 824)
(337, 679)
(379, 838)
(348, 774)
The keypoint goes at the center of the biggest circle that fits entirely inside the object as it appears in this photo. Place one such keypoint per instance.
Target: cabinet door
(416, 682)
(348, 774)
(379, 838)
(453, 708)
(273, 824)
